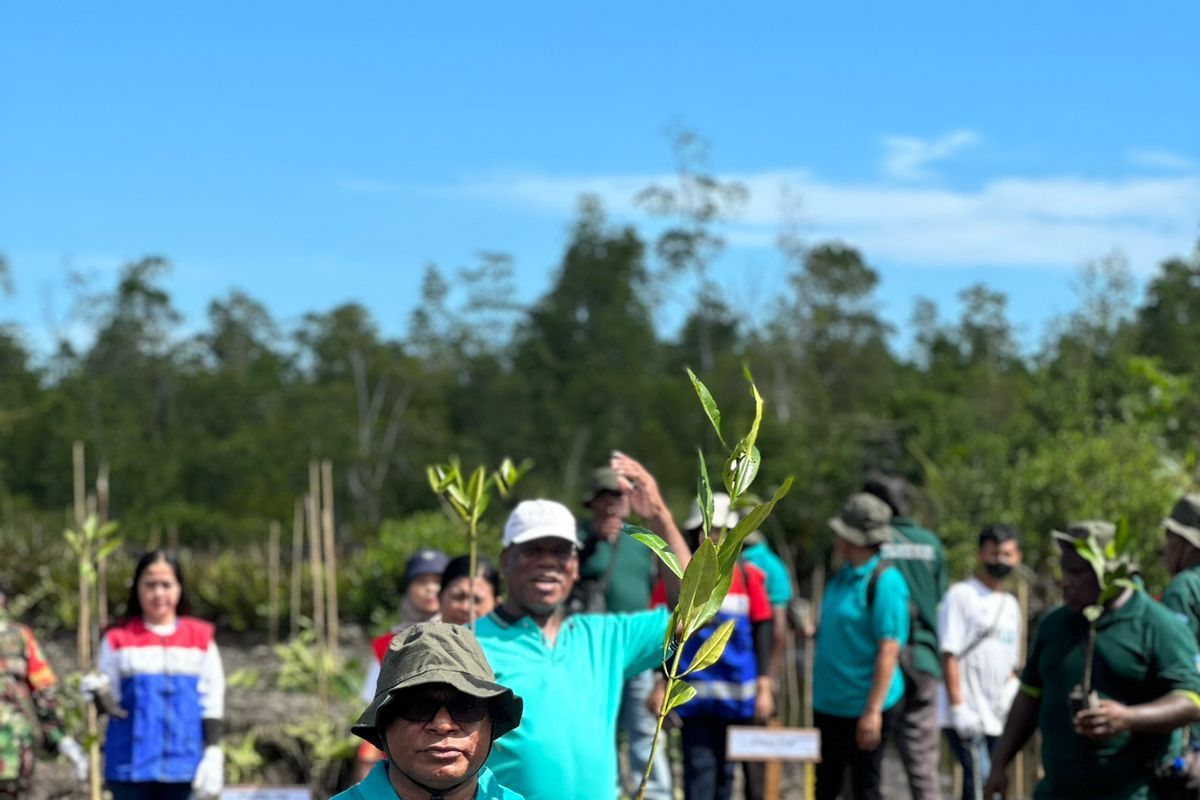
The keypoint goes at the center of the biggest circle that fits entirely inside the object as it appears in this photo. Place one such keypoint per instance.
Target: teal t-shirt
(563, 748)
(779, 583)
(376, 786)
(632, 578)
(849, 635)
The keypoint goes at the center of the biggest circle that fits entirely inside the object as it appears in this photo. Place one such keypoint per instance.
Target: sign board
(746, 743)
(266, 793)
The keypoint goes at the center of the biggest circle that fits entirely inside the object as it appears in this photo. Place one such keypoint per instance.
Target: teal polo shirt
(376, 786)
(564, 747)
(849, 635)
(779, 583)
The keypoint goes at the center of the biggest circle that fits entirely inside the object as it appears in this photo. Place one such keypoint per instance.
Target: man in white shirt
(980, 633)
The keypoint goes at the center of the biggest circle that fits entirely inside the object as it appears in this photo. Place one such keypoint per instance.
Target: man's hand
(764, 701)
(997, 782)
(870, 730)
(966, 722)
(1106, 720)
(639, 486)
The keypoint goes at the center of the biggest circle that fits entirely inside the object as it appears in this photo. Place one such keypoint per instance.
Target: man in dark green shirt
(1144, 670)
(624, 571)
(1181, 555)
(919, 556)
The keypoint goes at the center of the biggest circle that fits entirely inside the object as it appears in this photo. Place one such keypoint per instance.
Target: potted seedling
(1106, 549)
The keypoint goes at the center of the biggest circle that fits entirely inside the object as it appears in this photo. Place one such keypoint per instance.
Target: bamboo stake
(84, 640)
(297, 583)
(314, 560)
(818, 594)
(331, 598)
(102, 567)
(273, 582)
(173, 537)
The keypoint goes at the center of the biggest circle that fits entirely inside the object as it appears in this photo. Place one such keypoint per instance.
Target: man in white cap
(569, 670)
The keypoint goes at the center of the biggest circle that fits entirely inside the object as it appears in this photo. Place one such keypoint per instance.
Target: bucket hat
(1099, 530)
(605, 480)
(432, 653)
(864, 521)
(1184, 521)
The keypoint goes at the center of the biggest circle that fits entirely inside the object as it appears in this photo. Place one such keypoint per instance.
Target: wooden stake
(818, 593)
(297, 583)
(331, 598)
(273, 582)
(84, 641)
(173, 537)
(314, 556)
(102, 567)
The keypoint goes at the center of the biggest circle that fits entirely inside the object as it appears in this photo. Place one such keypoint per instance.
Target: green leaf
(107, 549)
(1092, 613)
(716, 598)
(742, 469)
(710, 652)
(660, 548)
(704, 495)
(752, 437)
(710, 405)
(699, 580)
(680, 693)
(1090, 552)
(458, 500)
(731, 546)
(1121, 540)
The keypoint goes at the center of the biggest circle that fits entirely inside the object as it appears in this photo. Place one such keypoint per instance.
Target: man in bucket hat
(1143, 670)
(436, 713)
(857, 684)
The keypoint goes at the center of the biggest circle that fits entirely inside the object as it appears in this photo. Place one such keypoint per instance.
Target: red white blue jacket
(169, 679)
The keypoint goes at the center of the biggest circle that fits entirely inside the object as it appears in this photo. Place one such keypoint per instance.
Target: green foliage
(302, 663)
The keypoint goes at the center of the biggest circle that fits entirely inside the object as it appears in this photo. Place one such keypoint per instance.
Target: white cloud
(908, 158)
(1051, 221)
(1162, 160)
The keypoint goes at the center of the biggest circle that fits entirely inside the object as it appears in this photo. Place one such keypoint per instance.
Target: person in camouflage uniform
(29, 714)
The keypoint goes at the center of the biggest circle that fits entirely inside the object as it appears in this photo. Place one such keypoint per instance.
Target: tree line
(208, 434)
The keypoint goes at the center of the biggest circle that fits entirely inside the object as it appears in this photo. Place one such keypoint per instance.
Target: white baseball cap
(723, 515)
(539, 519)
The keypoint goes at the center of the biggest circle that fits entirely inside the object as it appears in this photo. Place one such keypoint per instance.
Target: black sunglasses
(462, 708)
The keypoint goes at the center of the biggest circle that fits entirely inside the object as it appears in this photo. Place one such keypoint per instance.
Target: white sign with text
(745, 743)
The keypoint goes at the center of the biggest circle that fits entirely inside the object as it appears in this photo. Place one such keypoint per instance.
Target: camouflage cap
(1184, 521)
(436, 652)
(1097, 529)
(864, 521)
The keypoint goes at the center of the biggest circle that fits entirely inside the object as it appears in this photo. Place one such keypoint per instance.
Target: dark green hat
(864, 521)
(605, 480)
(436, 652)
(1097, 529)
(1184, 521)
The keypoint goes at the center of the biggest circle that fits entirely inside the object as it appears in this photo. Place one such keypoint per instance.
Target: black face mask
(998, 569)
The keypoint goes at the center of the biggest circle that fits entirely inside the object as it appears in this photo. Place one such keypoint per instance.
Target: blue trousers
(971, 754)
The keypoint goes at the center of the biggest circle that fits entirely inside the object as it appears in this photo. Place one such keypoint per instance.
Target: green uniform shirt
(563, 748)
(632, 578)
(376, 786)
(1142, 653)
(779, 583)
(918, 554)
(1182, 596)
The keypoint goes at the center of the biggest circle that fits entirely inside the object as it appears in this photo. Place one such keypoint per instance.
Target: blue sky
(311, 155)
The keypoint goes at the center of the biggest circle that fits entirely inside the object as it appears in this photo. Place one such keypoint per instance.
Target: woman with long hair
(167, 690)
